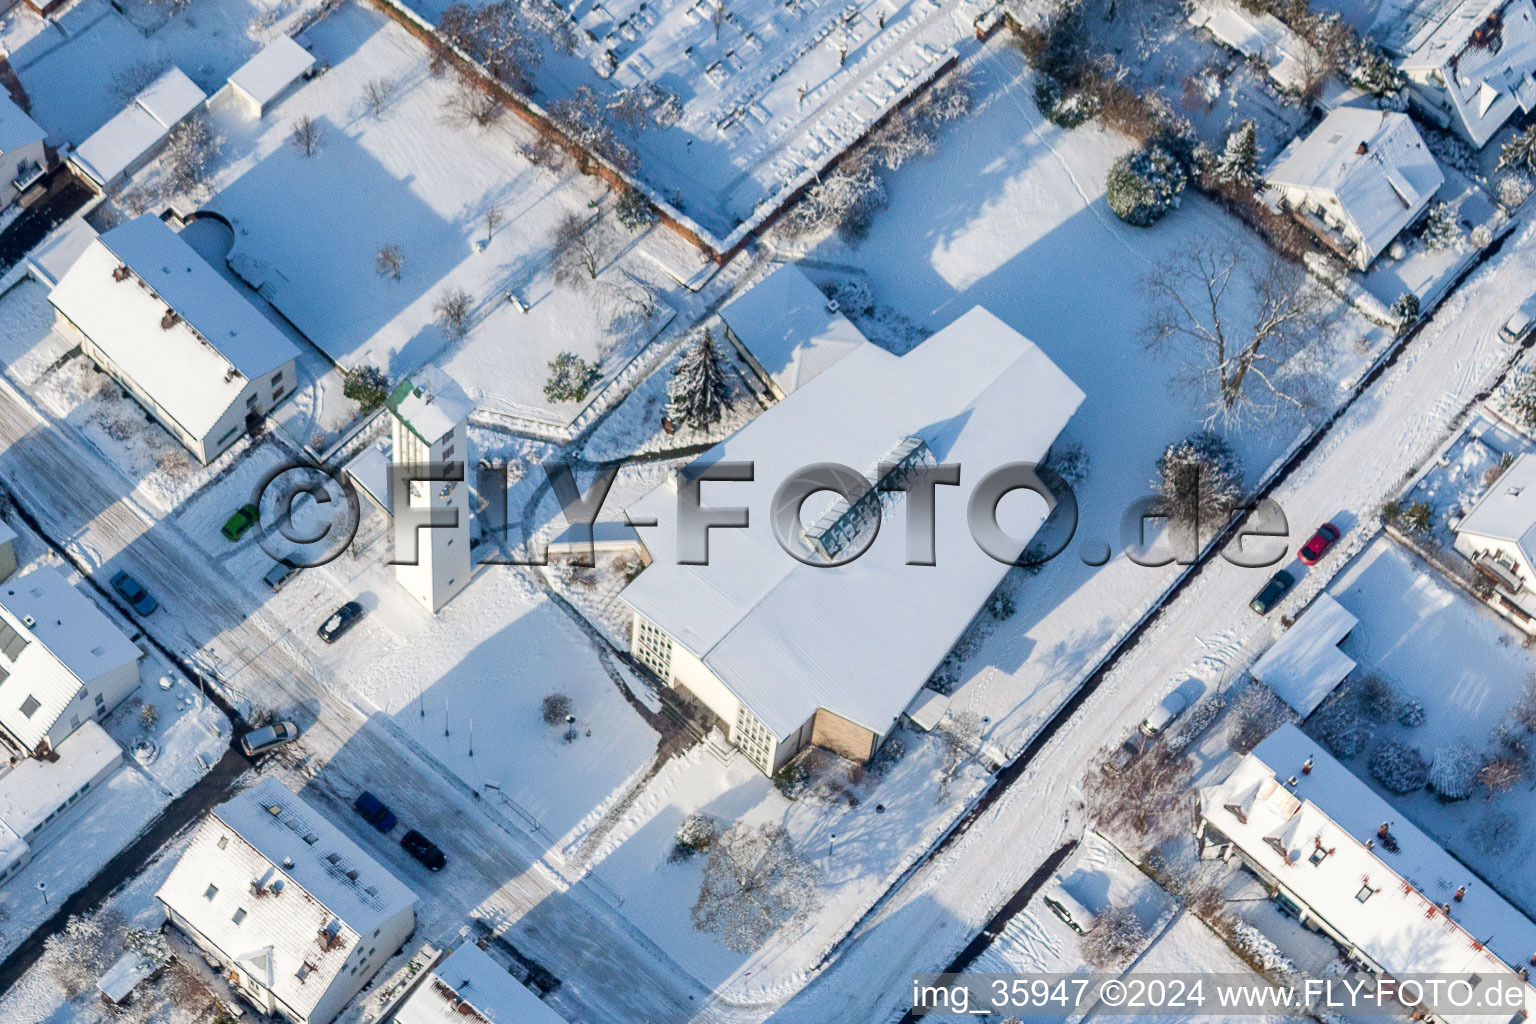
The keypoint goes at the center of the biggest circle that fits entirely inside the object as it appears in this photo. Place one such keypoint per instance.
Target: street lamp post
(42, 887)
(570, 728)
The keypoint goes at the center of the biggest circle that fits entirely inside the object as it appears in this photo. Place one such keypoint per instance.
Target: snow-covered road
(1206, 631)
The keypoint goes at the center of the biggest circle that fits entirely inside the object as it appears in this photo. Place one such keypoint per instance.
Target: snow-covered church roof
(860, 639)
(1309, 822)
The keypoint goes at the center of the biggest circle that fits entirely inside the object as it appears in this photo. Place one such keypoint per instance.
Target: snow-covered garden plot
(1427, 259)
(1466, 667)
(310, 229)
(1010, 214)
(743, 101)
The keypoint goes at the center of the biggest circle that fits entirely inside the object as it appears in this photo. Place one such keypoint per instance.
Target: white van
(1065, 906)
(1169, 708)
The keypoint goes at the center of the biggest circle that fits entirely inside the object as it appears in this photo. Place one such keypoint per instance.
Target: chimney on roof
(121, 273)
(169, 320)
(1461, 894)
(1306, 766)
(1361, 149)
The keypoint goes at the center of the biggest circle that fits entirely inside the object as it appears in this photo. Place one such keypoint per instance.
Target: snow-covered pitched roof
(16, 128)
(1263, 36)
(125, 975)
(138, 127)
(1374, 161)
(274, 68)
(51, 259)
(1485, 51)
(791, 329)
(1507, 510)
(1400, 924)
(1305, 664)
(248, 843)
(35, 788)
(859, 639)
(43, 608)
(430, 403)
(198, 366)
(468, 974)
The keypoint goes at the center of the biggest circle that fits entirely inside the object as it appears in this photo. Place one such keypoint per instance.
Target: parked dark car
(134, 593)
(341, 620)
(1278, 586)
(259, 741)
(278, 576)
(1320, 542)
(423, 849)
(375, 812)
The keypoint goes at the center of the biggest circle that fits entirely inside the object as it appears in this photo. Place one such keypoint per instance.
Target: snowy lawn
(1466, 665)
(407, 178)
(181, 740)
(1010, 214)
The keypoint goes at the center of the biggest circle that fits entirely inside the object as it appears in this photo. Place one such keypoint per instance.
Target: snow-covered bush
(1399, 767)
(190, 150)
(586, 121)
(792, 779)
(1500, 773)
(1069, 460)
(1411, 714)
(570, 378)
(1496, 833)
(1001, 605)
(1442, 228)
(1189, 727)
(366, 385)
(1370, 69)
(633, 209)
(900, 138)
(1112, 943)
(695, 835)
(1512, 190)
(846, 199)
(1378, 700)
(1198, 482)
(1518, 396)
(554, 707)
(1339, 725)
(150, 945)
(1519, 152)
(1144, 185)
(853, 295)
(1063, 107)
(1453, 771)
(1405, 310)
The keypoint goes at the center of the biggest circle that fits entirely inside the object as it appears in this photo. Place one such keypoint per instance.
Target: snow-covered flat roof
(858, 640)
(195, 368)
(44, 608)
(16, 128)
(1507, 510)
(1374, 161)
(1319, 837)
(470, 975)
(139, 126)
(248, 843)
(125, 975)
(36, 788)
(1305, 664)
(274, 68)
(430, 403)
(790, 327)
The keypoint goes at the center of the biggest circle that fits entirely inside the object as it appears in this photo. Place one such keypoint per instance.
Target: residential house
(1499, 538)
(787, 330)
(1357, 180)
(789, 654)
(297, 916)
(1260, 36)
(430, 417)
(468, 987)
(132, 137)
(154, 315)
(1347, 864)
(1472, 65)
(62, 663)
(23, 158)
(36, 792)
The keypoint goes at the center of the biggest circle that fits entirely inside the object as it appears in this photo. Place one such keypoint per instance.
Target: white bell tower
(430, 413)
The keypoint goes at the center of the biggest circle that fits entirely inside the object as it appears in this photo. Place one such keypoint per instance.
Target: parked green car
(244, 518)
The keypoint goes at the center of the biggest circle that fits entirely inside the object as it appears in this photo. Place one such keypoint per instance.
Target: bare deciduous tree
(389, 261)
(307, 136)
(453, 308)
(754, 883)
(717, 17)
(135, 78)
(471, 105)
(1117, 938)
(378, 94)
(1236, 319)
(1500, 773)
(494, 216)
(629, 300)
(580, 249)
(190, 150)
(1146, 801)
(960, 732)
(585, 119)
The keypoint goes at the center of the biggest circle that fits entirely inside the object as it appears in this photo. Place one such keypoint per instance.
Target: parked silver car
(259, 741)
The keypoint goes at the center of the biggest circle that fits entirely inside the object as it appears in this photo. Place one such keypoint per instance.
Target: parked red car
(1321, 541)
